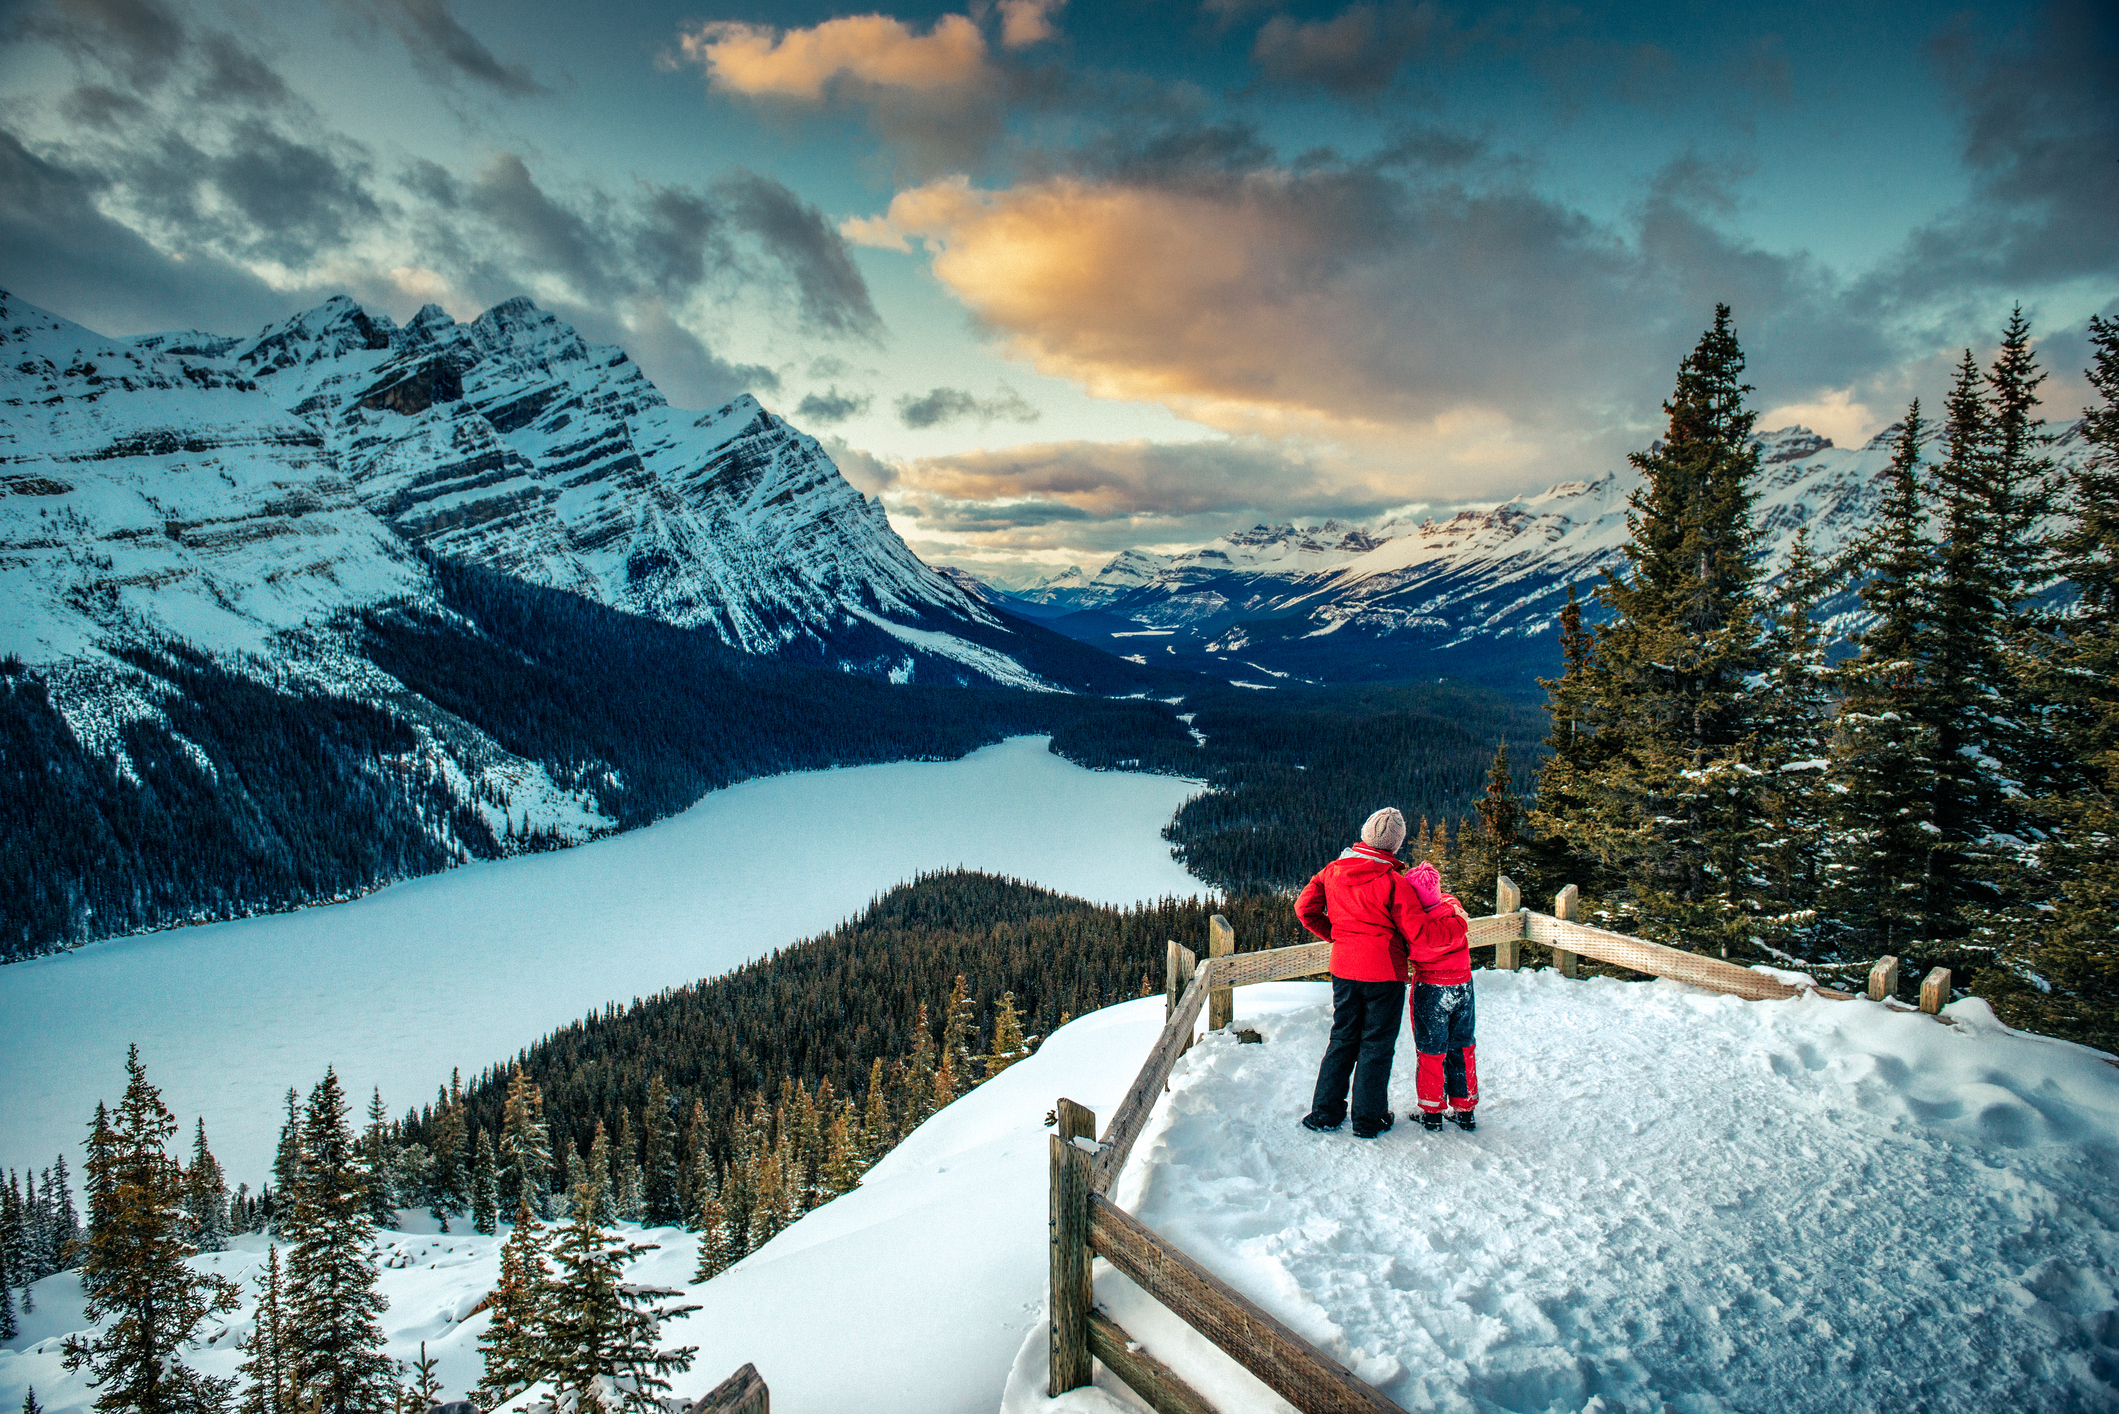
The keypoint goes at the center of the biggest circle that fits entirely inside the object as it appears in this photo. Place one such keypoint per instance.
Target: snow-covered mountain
(1476, 594)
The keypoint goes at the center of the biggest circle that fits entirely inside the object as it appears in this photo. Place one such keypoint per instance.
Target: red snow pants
(1442, 1034)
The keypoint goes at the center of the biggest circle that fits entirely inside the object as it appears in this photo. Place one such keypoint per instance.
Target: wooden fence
(1085, 1224)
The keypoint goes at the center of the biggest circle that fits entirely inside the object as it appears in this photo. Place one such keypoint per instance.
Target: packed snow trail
(1674, 1201)
(464, 968)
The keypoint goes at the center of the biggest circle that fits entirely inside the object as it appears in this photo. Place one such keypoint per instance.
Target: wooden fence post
(1883, 979)
(1565, 906)
(1508, 953)
(1172, 987)
(1069, 1365)
(1934, 991)
(1221, 1001)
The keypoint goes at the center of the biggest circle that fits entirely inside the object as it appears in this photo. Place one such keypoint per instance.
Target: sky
(1056, 278)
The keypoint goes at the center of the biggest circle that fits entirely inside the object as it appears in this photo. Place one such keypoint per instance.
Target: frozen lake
(465, 968)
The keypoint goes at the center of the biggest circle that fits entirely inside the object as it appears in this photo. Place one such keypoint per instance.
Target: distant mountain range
(1473, 596)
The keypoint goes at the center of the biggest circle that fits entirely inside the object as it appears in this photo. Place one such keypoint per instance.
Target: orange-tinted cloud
(804, 64)
(1028, 22)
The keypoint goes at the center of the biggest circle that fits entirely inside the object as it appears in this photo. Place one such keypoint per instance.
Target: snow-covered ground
(1674, 1201)
(464, 968)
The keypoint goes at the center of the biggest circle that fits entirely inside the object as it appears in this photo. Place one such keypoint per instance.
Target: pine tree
(1791, 743)
(425, 1390)
(1883, 774)
(876, 1135)
(332, 1303)
(711, 1221)
(8, 1325)
(917, 1101)
(485, 1186)
(2064, 977)
(960, 1027)
(628, 1202)
(381, 1163)
(512, 1340)
(29, 1402)
(446, 1149)
(842, 1153)
(287, 1159)
(206, 1196)
(661, 1200)
(598, 1339)
(525, 1145)
(1008, 1044)
(698, 1170)
(143, 1298)
(66, 1231)
(268, 1364)
(597, 1189)
(1495, 846)
(1677, 814)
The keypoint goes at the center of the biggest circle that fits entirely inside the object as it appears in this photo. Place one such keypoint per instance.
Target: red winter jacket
(1363, 905)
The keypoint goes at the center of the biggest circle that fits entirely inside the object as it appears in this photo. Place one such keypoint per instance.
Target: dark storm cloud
(1357, 51)
(834, 298)
(443, 49)
(832, 406)
(2040, 121)
(294, 198)
(142, 39)
(232, 74)
(944, 405)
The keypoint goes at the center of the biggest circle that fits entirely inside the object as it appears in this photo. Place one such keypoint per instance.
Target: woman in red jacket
(1366, 905)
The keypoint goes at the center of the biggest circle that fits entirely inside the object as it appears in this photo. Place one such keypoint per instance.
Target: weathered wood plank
(1074, 1121)
(1069, 1366)
(1172, 985)
(741, 1393)
(1294, 1369)
(1508, 947)
(1622, 950)
(1273, 964)
(1132, 1114)
(1145, 1375)
(1883, 978)
(1566, 905)
(1221, 1002)
(1935, 991)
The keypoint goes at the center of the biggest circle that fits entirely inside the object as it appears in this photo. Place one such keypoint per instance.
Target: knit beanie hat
(1384, 830)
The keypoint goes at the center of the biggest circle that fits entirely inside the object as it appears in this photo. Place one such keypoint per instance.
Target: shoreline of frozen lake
(466, 967)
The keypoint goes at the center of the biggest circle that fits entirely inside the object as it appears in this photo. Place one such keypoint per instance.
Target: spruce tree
(425, 1390)
(1008, 1044)
(2063, 977)
(1567, 780)
(628, 1202)
(485, 1186)
(1883, 781)
(1678, 816)
(917, 1100)
(206, 1196)
(711, 1221)
(512, 1342)
(1495, 845)
(598, 1187)
(29, 1402)
(287, 1159)
(381, 1164)
(144, 1300)
(842, 1153)
(445, 1174)
(876, 1135)
(661, 1199)
(960, 1027)
(597, 1342)
(332, 1304)
(8, 1325)
(268, 1365)
(1791, 744)
(525, 1145)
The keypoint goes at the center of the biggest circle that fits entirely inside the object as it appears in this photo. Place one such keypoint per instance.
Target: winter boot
(1312, 1121)
(1432, 1123)
(1464, 1120)
(1363, 1132)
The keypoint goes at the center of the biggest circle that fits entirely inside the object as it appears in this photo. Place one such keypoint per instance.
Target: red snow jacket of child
(1364, 906)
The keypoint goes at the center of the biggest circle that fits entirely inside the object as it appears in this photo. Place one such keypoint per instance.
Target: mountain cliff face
(1473, 595)
(281, 617)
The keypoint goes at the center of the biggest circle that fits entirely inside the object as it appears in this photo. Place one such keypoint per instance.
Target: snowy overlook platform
(1674, 1200)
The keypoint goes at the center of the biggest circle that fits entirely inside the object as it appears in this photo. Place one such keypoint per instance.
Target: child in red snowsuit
(1441, 965)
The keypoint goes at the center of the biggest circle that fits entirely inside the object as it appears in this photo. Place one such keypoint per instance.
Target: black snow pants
(1365, 1021)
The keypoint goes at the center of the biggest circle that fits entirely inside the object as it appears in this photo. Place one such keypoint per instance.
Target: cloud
(834, 298)
(444, 50)
(805, 64)
(1028, 22)
(944, 405)
(1357, 51)
(832, 406)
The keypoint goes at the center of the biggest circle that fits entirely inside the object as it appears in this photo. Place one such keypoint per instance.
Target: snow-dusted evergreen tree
(628, 1201)
(1495, 845)
(960, 1027)
(206, 1196)
(66, 1233)
(525, 1146)
(877, 1134)
(424, 1391)
(1791, 724)
(332, 1302)
(268, 1364)
(29, 1401)
(8, 1325)
(446, 1148)
(145, 1301)
(1008, 1044)
(287, 1158)
(599, 1185)
(711, 1221)
(2063, 978)
(1567, 782)
(511, 1343)
(1678, 814)
(381, 1163)
(1883, 780)
(598, 1343)
(841, 1172)
(662, 1198)
(485, 1186)
(916, 1098)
